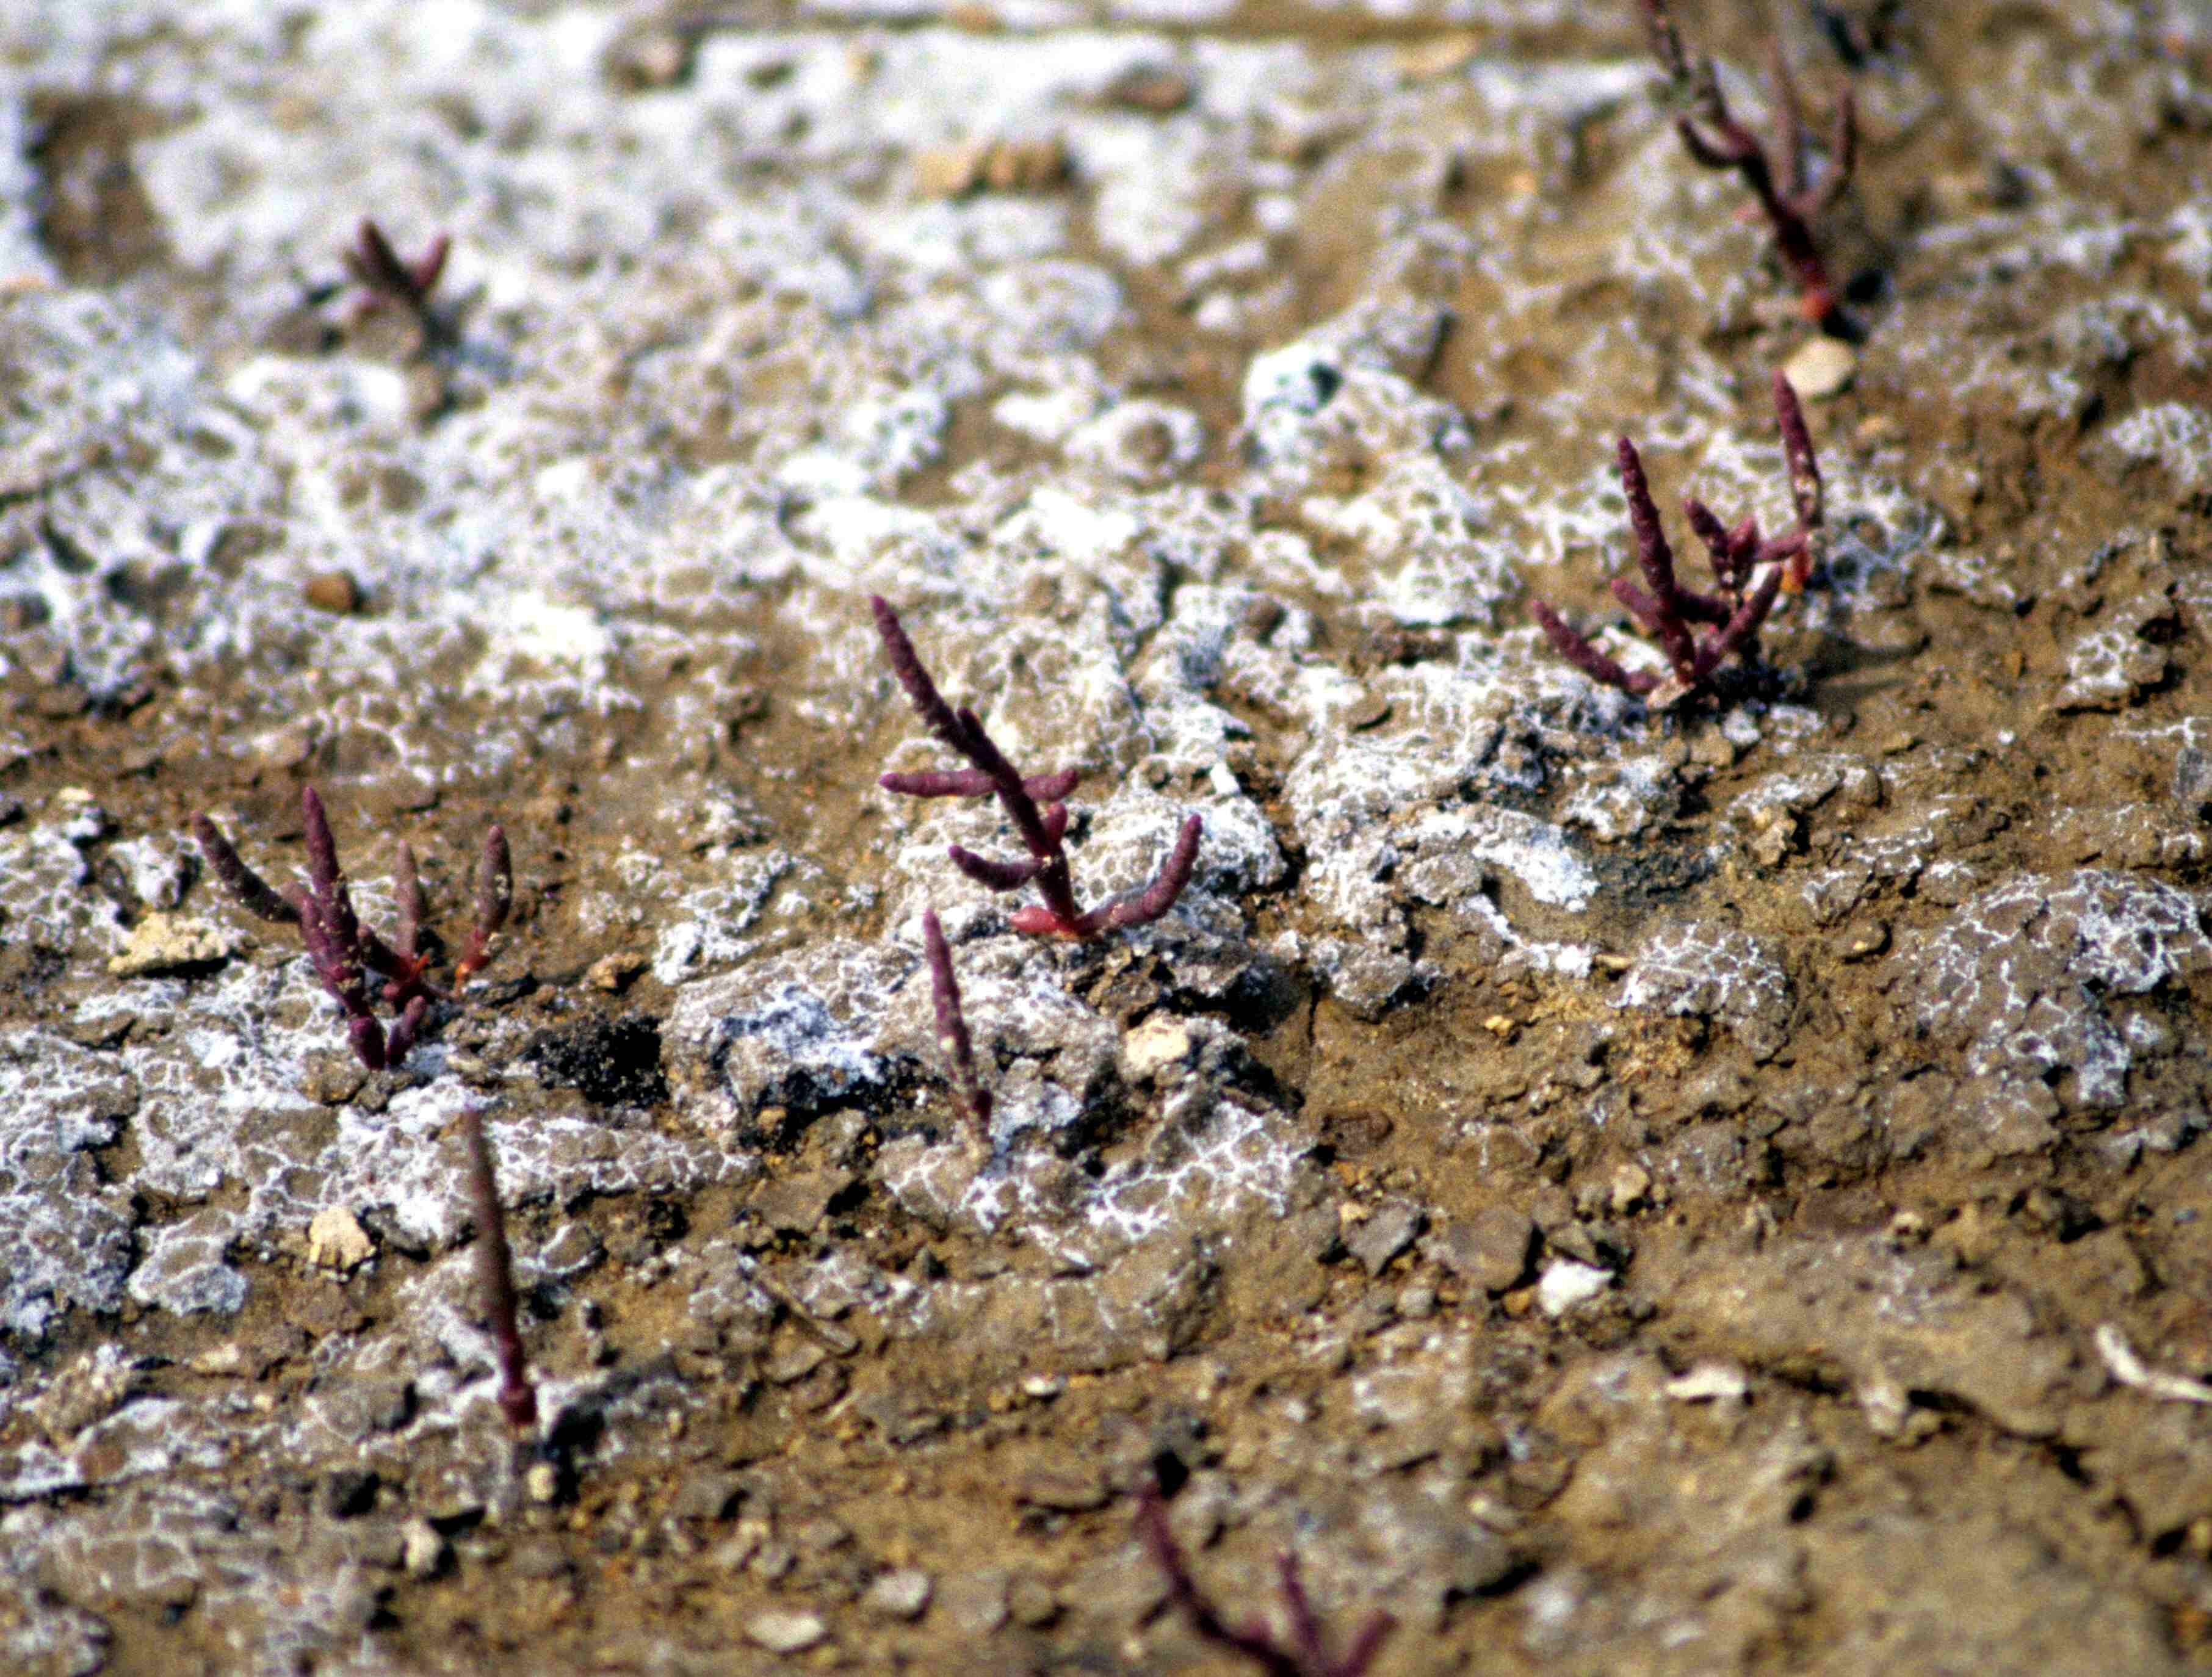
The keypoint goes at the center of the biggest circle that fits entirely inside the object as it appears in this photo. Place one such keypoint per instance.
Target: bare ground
(1622, 1191)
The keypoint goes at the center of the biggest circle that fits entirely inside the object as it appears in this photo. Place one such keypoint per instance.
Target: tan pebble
(1878, 430)
(900, 1594)
(1032, 1603)
(785, 1633)
(541, 1483)
(165, 943)
(1371, 712)
(334, 591)
(736, 1551)
(1153, 1046)
(655, 56)
(1631, 1182)
(1864, 944)
(614, 973)
(289, 747)
(336, 1240)
(224, 1360)
(1025, 166)
(1160, 88)
(1821, 367)
(1432, 60)
(1709, 1382)
(1713, 748)
(422, 1550)
(946, 172)
(426, 389)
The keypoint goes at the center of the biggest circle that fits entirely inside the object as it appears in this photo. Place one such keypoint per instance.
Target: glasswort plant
(1042, 829)
(350, 957)
(1742, 597)
(1304, 1655)
(1791, 203)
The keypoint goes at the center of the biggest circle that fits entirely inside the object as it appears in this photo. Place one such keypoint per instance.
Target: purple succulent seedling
(355, 965)
(1305, 1654)
(517, 1397)
(494, 896)
(1749, 572)
(952, 1038)
(385, 276)
(345, 954)
(1042, 829)
(1791, 203)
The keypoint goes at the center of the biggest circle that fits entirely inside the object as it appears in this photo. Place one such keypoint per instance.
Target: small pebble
(336, 1240)
(1708, 1383)
(1388, 1229)
(223, 1359)
(335, 591)
(165, 943)
(1155, 1045)
(423, 1551)
(1161, 90)
(644, 59)
(1433, 60)
(1025, 166)
(1032, 1603)
(1566, 1284)
(785, 1633)
(1490, 1249)
(900, 1594)
(1821, 367)
(742, 1545)
(614, 973)
(946, 172)
(1631, 1182)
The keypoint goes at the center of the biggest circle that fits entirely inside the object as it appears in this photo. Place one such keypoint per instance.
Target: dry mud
(1623, 1192)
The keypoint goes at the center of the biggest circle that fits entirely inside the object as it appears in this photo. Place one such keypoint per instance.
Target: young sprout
(952, 1037)
(517, 1397)
(1789, 198)
(1749, 571)
(1304, 1655)
(1042, 829)
(386, 277)
(357, 967)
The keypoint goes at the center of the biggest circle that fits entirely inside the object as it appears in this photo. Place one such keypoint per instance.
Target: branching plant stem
(349, 956)
(1032, 804)
(1749, 572)
(1787, 194)
(1305, 1653)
